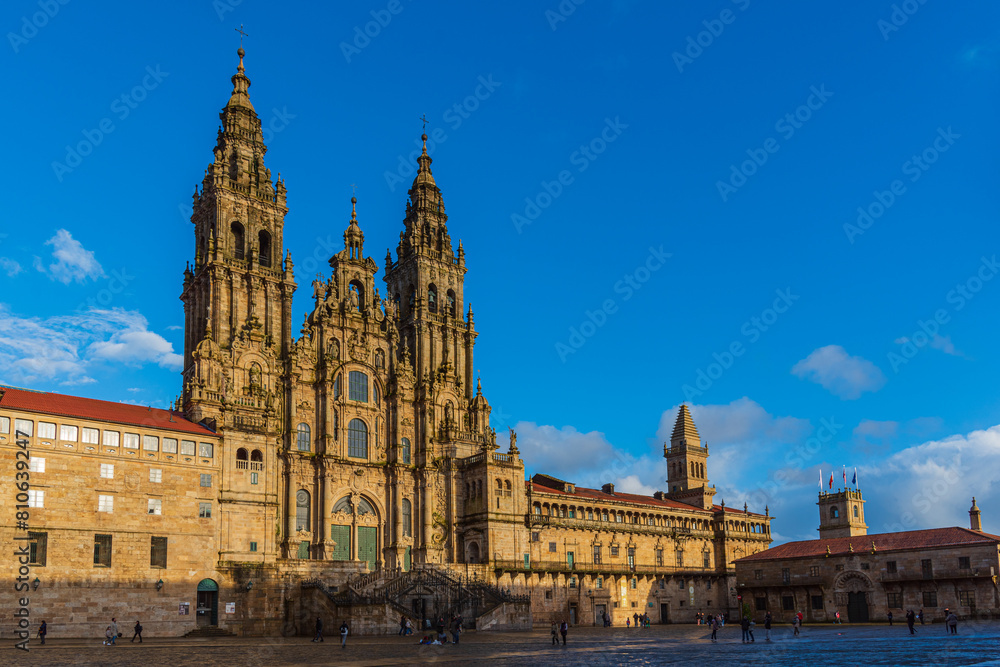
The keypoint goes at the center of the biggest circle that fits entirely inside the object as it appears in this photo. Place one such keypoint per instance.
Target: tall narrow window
(238, 241)
(264, 248)
(357, 439)
(450, 304)
(102, 551)
(157, 552)
(357, 386)
(302, 510)
(336, 387)
(37, 543)
(405, 451)
(302, 437)
(406, 518)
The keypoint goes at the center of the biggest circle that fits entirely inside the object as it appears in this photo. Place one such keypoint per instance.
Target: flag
(845, 477)
(831, 480)
(820, 479)
(854, 480)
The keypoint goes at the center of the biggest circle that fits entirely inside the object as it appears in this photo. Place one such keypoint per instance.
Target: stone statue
(513, 438)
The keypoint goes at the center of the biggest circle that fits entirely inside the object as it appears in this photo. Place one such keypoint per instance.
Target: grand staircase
(424, 592)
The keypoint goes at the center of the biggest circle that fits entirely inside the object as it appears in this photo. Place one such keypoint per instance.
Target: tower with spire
(687, 458)
(237, 293)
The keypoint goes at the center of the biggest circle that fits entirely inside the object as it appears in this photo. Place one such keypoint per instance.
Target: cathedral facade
(334, 465)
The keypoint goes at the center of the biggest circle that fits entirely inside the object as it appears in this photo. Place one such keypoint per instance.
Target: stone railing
(601, 568)
(920, 575)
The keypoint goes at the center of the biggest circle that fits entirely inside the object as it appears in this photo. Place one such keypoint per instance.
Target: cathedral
(347, 469)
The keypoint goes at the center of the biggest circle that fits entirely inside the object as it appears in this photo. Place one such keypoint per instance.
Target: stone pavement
(977, 643)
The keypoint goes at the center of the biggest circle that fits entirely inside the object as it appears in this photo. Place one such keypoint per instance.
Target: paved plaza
(976, 644)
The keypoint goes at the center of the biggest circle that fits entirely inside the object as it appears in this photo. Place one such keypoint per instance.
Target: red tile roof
(904, 541)
(47, 403)
(543, 486)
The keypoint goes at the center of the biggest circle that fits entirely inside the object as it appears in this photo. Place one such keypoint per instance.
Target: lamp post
(36, 583)
(159, 584)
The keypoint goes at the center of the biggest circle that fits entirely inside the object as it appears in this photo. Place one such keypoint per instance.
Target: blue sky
(661, 180)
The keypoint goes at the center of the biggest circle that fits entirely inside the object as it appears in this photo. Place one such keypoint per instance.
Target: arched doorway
(355, 514)
(472, 553)
(208, 603)
(851, 590)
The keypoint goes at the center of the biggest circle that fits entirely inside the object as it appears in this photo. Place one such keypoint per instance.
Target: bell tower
(237, 295)
(841, 514)
(687, 470)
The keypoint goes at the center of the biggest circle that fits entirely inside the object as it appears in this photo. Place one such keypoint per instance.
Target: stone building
(866, 576)
(349, 471)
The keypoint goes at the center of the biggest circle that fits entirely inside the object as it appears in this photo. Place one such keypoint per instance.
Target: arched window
(264, 243)
(302, 438)
(302, 510)
(357, 439)
(432, 298)
(256, 460)
(407, 522)
(376, 394)
(336, 387)
(855, 511)
(499, 487)
(411, 299)
(365, 507)
(242, 459)
(450, 304)
(344, 505)
(834, 513)
(405, 450)
(357, 386)
(238, 241)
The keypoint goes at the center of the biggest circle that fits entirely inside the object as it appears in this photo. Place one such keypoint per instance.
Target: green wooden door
(368, 544)
(341, 535)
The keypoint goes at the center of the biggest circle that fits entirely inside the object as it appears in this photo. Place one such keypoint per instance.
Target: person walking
(137, 632)
(910, 620)
(767, 626)
(563, 629)
(750, 628)
(456, 629)
(890, 617)
(319, 630)
(408, 627)
(713, 623)
(107, 636)
(344, 631)
(745, 626)
(920, 615)
(114, 632)
(837, 621)
(43, 629)
(635, 619)
(402, 626)
(952, 621)
(628, 622)
(796, 624)
(555, 633)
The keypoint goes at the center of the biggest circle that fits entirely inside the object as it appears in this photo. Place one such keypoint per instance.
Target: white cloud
(72, 262)
(66, 349)
(839, 373)
(944, 344)
(10, 267)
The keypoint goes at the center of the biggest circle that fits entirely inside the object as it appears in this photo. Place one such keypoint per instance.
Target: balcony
(600, 568)
(936, 575)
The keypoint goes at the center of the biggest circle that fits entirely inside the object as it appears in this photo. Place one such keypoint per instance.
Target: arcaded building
(345, 466)
(864, 577)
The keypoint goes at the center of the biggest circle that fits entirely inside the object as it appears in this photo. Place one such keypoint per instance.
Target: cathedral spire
(241, 85)
(424, 174)
(684, 428)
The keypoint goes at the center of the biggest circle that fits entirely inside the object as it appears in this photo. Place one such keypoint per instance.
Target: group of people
(747, 625)
(111, 633)
(638, 621)
(950, 620)
(557, 629)
(344, 631)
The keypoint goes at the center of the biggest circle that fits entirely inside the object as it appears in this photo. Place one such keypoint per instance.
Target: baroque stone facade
(353, 453)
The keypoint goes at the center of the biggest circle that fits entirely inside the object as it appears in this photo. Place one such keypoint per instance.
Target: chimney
(975, 517)
(608, 488)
